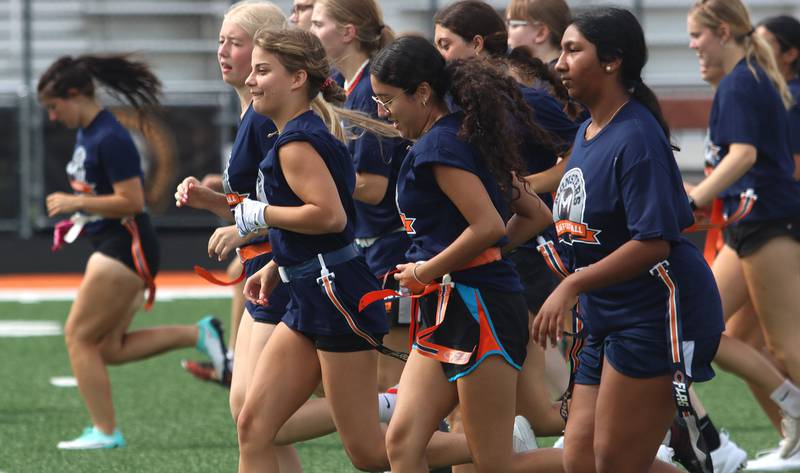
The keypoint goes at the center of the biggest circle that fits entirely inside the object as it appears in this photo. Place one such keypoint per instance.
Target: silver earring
(608, 68)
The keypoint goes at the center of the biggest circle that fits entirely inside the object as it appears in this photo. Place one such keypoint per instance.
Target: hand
(212, 181)
(62, 203)
(259, 286)
(549, 322)
(191, 193)
(406, 278)
(249, 216)
(223, 241)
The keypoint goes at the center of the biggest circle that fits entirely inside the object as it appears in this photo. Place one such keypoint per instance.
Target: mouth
(256, 94)
(225, 67)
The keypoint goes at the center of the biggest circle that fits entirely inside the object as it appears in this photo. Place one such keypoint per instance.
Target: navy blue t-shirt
(794, 116)
(622, 185)
(431, 218)
(381, 156)
(254, 138)
(104, 154)
(747, 110)
(288, 247)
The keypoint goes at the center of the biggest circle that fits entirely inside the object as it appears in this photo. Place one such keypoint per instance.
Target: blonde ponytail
(756, 47)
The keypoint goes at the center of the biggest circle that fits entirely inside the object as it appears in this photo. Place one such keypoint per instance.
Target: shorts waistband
(311, 268)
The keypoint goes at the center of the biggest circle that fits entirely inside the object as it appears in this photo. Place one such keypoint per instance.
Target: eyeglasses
(516, 23)
(300, 8)
(384, 105)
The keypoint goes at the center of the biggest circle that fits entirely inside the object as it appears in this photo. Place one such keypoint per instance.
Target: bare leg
(389, 368)
(237, 301)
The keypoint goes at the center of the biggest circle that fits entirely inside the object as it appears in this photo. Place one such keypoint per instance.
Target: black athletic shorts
(115, 241)
(748, 237)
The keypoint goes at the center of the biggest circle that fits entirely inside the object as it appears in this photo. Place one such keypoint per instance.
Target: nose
(294, 17)
(561, 65)
(692, 43)
(251, 79)
(223, 49)
(52, 116)
(382, 112)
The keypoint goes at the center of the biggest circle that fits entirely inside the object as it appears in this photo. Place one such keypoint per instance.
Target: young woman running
(470, 28)
(105, 173)
(454, 194)
(352, 31)
(647, 298)
(753, 177)
(305, 199)
(255, 137)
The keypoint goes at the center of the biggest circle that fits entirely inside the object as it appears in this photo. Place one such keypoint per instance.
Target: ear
(72, 92)
(791, 56)
(349, 33)
(542, 34)
(477, 44)
(724, 32)
(299, 79)
(424, 93)
(612, 66)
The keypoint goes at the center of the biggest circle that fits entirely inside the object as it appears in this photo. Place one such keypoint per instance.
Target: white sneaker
(728, 458)
(524, 439)
(665, 454)
(93, 439)
(772, 461)
(559, 443)
(791, 436)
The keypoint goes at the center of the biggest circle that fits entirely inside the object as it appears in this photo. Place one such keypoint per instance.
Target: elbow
(491, 234)
(660, 250)
(336, 222)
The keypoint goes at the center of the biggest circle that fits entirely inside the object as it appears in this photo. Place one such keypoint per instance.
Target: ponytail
(642, 93)
(756, 48)
(131, 81)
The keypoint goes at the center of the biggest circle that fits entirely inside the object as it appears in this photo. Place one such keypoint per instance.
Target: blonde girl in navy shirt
(106, 176)
(753, 177)
(647, 298)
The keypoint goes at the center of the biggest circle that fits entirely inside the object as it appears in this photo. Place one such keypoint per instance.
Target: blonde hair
(253, 15)
(554, 14)
(297, 49)
(366, 16)
(712, 13)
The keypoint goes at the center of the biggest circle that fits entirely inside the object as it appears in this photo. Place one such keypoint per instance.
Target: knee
(578, 461)
(236, 402)
(252, 431)
(367, 457)
(399, 442)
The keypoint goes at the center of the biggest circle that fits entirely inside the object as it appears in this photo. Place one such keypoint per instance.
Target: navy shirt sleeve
(448, 151)
(738, 118)
(119, 157)
(648, 196)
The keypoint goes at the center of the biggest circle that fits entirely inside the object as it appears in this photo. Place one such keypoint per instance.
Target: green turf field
(173, 423)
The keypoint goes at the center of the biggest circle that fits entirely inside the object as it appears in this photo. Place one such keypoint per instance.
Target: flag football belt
(421, 338)
(717, 221)
(367, 242)
(246, 253)
(318, 268)
(139, 260)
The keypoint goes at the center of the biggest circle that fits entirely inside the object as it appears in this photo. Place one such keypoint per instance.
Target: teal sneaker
(92, 439)
(211, 342)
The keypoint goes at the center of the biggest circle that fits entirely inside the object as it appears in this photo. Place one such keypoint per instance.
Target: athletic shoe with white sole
(204, 370)
(665, 454)
(211, 342)
(771, 461)
(524, 438)
(728, 458)
(93, 439)
(791, 436)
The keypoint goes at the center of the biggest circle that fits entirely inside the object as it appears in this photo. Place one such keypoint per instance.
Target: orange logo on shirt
(235, 199)
(81, 187)
(578, 231)
(408, 224)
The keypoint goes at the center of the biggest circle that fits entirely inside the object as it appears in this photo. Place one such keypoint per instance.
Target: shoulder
(639, 136)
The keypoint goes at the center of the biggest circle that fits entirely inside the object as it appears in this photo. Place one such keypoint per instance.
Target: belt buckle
(283, 275)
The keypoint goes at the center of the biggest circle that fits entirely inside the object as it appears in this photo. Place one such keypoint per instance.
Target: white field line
(162, 294)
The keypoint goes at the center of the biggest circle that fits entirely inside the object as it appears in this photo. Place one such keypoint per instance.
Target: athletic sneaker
(728, 458)
(771, 461)
(524, 439)
(92, 439)
(791, 436)
(204, 370)
(211, 342)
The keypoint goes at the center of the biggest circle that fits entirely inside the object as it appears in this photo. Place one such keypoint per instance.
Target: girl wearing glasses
(456, 190)
(352, 31)
(538, 25)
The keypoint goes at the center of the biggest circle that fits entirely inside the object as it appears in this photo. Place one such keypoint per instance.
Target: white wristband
(249, 216)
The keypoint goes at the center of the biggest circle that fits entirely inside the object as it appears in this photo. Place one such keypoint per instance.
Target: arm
(485, 226)
(797, 166)
(548, 180)
(739, 160)
(127, 199)
(192, 193)
(370, 188)
(310, 179)
(530, 217)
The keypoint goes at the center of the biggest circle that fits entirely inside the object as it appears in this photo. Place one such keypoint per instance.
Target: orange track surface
(72, 280)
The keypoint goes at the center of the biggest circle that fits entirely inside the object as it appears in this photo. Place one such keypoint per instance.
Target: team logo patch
(408, 223)
(568, 209)
(76, 170)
